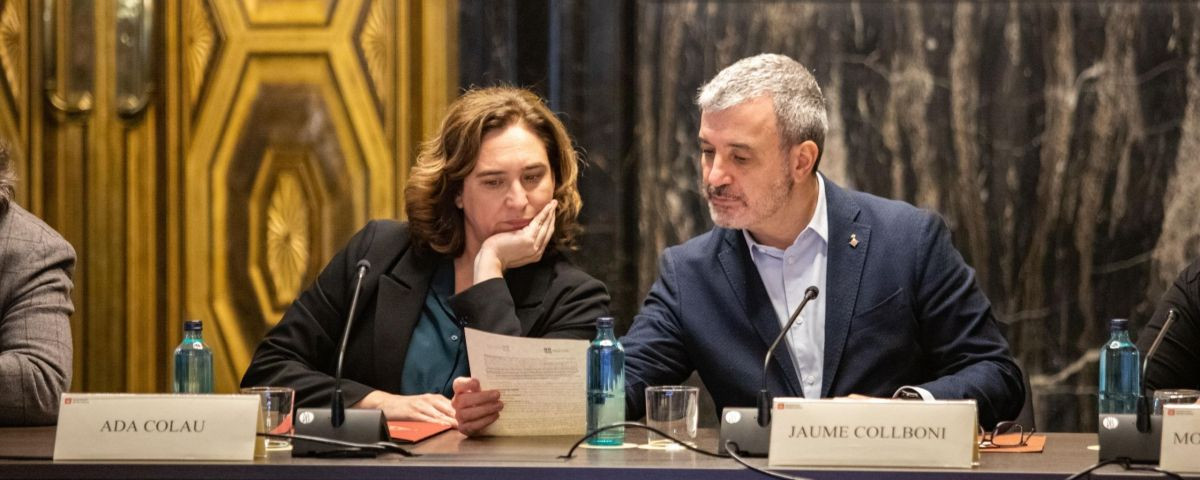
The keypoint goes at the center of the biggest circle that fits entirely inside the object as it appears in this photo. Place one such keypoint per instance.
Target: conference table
(26, 453)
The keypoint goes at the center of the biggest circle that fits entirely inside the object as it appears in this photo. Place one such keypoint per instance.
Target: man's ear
(803, 157)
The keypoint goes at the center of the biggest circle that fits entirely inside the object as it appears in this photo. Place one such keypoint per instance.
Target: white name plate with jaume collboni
(872, 433)
(98, 426)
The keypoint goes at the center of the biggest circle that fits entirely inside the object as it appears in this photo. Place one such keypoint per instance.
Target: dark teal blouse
(436, 353)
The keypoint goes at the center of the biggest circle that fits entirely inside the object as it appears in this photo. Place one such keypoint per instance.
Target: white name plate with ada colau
(97, 426)
(872, 433)
(1180, 438)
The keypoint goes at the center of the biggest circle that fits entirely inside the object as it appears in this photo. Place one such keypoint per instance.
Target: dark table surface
(26, 452)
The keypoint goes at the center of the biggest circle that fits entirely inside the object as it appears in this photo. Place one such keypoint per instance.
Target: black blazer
(1176, 364)
(550, 298)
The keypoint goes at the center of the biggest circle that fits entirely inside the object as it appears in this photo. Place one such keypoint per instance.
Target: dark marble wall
(1060, 140)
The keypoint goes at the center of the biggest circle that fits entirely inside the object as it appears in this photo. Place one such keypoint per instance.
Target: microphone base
(361, 426)
(740, 425)
(1120, 438)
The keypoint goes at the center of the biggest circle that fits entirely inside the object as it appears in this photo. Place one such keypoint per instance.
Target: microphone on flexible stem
(764, 397)
(356, 425)
(337, 410)
(738, 431)
(1143, 405)
(1135, 436)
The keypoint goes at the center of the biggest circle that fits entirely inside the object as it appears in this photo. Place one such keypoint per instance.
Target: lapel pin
(853, 241)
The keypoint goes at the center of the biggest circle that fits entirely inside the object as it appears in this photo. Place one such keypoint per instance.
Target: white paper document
(542, 382)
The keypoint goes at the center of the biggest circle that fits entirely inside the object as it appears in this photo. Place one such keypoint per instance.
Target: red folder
(413, 432)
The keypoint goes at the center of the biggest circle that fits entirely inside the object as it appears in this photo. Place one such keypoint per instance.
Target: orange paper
(413, 432)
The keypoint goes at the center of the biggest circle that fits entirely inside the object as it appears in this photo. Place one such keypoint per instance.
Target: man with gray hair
(898, 313)
(35, 303)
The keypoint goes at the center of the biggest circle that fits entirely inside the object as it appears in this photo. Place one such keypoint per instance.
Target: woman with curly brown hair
(491, 202)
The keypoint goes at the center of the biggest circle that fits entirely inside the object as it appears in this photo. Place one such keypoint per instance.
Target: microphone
(1171, 314)
(1132, 435)
(337, 414)
(738, 431)
(764, 397)
(1143, 406)
(356, 425)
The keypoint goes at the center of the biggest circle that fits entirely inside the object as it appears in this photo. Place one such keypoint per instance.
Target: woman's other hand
(474, 408)
(429, 407)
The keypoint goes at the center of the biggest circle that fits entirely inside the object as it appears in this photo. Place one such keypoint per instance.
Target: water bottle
(606, 384)
(193, 361)
(1120, 371)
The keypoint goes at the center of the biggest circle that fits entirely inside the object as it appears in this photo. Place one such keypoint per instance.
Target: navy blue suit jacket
(902, 308)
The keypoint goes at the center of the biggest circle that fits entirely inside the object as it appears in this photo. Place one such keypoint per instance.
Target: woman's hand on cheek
(513, 249)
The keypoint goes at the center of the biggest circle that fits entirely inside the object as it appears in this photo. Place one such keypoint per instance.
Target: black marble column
(1060, 140)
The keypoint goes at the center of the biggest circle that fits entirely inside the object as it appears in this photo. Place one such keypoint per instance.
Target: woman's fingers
(471, 399)
(442, 407)
(438, 417)
(547, 212)
(464, 385)
(475, 412)
(546, 240)
(432, 408)
(545, 227)
(522, 247)
(474, 427)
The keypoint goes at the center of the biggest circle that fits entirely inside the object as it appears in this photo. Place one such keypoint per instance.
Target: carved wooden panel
(12, 74)
(290, 146)
(287, 13)
(374, 44)
(289, 183)
(275, 129)
(11, 48)
(201, 44)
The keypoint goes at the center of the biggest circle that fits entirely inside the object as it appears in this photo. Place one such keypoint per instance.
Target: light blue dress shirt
(786, 274)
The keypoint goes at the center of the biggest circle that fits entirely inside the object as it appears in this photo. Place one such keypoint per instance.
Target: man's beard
(751, 213)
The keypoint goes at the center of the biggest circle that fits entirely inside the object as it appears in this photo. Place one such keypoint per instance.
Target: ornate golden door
(206, 158)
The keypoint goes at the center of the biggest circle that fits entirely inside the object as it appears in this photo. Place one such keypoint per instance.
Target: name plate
(97, 426)
(1180, 438)
(872, 433)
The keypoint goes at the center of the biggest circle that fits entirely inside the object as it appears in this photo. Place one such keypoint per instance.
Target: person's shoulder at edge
(381, 241)
(1192, 273)
(565, 267)
(33, 229)
(565, 274)
(379, 231)
(699, 247)
(885, 212)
